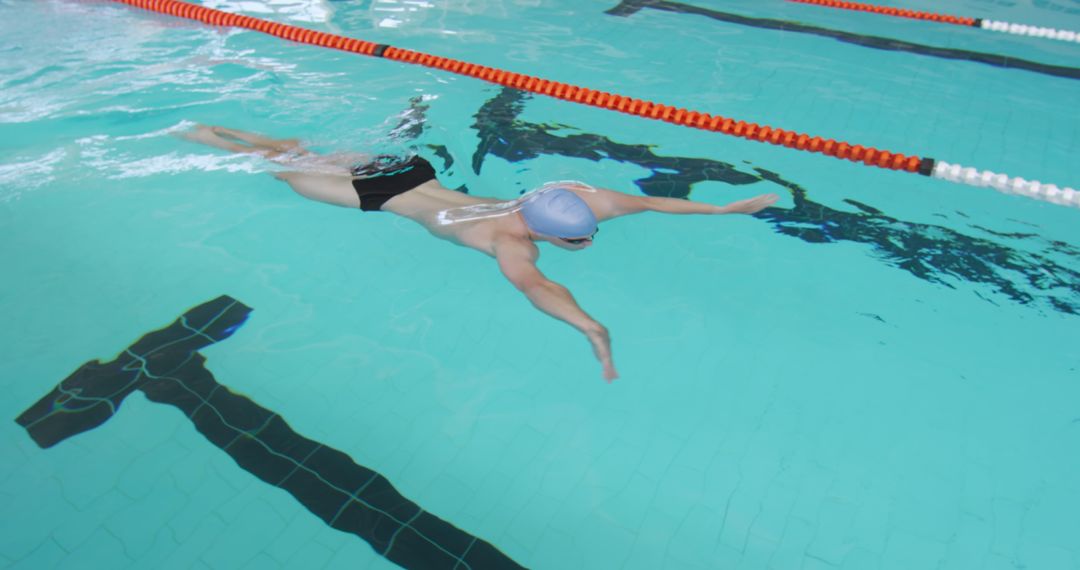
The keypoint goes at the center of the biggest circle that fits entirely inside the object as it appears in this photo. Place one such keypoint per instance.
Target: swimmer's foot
(750, 205)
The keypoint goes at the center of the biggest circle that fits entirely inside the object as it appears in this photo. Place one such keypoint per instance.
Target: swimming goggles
(579, 241)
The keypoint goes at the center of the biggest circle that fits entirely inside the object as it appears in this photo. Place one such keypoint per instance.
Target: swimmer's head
(562, 215)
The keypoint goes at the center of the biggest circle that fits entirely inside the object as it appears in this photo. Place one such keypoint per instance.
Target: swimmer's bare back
(331, 179)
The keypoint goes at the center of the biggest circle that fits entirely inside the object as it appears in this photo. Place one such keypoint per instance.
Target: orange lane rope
(648, 109)
(890, 11)
(751, 131)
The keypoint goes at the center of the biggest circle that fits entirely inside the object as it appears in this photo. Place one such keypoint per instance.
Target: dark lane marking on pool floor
(630, 7)
(166, 366)
(936, 254)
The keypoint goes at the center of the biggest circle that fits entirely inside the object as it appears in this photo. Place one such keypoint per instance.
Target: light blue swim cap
(559, 213)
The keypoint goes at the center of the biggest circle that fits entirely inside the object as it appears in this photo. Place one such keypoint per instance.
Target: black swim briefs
(386, 177)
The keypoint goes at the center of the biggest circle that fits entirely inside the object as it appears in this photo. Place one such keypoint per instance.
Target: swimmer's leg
(327, 188)
(205, 135)
(287, 152)
(259, 141)
(291, 147)
(239, 141)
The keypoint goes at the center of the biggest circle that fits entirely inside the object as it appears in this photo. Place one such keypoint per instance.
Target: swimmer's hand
(517, 261)
(750, 205)
(601, 344)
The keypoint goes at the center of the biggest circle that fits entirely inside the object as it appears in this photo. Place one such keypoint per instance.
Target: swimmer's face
(568, 243)
(560, 243)
(571, 246)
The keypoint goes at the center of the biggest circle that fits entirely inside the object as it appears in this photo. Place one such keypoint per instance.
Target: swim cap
(559, 212)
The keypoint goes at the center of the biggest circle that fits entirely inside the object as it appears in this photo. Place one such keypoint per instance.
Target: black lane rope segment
(631, 7)
(166, 366)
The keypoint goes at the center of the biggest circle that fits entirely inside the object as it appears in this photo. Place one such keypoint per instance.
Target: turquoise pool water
(880, 373)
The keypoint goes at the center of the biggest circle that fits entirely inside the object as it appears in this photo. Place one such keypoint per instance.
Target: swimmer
(565, 215)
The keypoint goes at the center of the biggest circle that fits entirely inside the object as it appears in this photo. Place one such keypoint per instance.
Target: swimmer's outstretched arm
(609, 204)
(517, 261)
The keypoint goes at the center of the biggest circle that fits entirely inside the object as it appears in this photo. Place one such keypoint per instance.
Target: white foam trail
(17, 177)
(175, 163)
(181, 126)
(314, 11)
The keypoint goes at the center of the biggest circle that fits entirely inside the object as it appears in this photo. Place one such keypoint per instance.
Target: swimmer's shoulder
(513, 244)
(607, 204)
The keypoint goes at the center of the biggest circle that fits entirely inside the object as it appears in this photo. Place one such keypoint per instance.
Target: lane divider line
(992, 25)
(647, 109)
